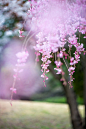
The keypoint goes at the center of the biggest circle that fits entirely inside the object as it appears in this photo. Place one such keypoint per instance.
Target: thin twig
(65, 62)
(28, 40)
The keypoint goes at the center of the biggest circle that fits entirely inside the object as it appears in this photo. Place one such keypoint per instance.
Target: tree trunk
(71, 99)
(85, 88)
(75, 116)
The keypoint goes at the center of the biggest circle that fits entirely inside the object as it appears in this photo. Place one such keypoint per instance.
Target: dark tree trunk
(75, 116)
(85, 88)
(71, 99)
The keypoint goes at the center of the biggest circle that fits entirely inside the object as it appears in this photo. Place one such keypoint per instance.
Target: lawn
(57, 99)
(35, 115)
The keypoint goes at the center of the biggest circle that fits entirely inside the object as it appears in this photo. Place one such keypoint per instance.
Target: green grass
(60, 100)
(55, 100)
(34, 115)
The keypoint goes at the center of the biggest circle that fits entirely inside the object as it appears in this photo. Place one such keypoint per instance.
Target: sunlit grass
(34, 115)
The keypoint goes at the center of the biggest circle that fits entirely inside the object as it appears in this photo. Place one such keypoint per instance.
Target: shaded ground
(34, 115)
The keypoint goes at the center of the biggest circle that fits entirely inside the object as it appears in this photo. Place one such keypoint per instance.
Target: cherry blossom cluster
(58, 65)
(56, 24)
(46, 55)
(21, 59)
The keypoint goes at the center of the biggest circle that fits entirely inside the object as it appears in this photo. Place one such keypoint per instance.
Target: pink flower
(45, 66)
(73, 40)
(21, 36)
(71, 69)
(71, 63)
(47, 70)
(60, 54)
(58, 63)
(62, 79)
(42, 75)
(13, 90)
(72, 58)
(20, 32)
(46, 78)
(59, 71)
(22, 55)
(84, 36)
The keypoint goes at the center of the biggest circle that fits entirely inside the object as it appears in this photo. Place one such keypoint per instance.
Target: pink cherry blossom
(71, 69)
(55, 23)
(84, 37)
(72, 58)
(22, 54)
(13, 90)
(20, 32)
(59, 71)
(58, 63)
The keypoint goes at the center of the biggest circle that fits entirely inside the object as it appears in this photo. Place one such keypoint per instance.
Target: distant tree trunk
(71, 99)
